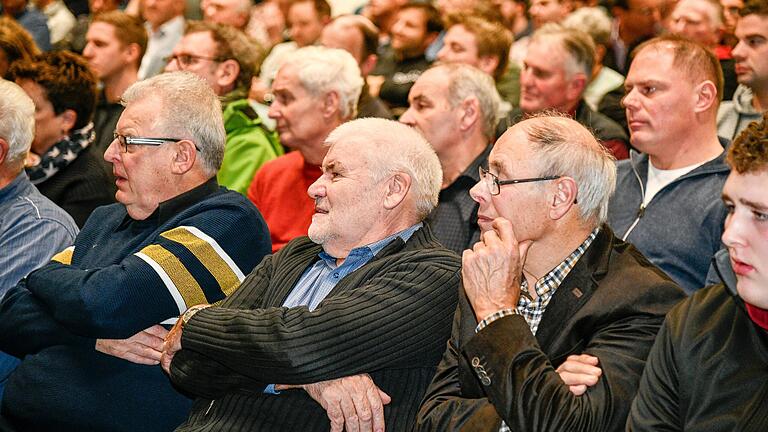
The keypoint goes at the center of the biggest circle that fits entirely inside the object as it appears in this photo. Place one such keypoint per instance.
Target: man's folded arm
(392, 319)
(444, 408)
(27, 326)
(183, 267)
(529, 394)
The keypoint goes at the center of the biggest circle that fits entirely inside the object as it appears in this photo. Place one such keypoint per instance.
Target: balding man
(316, 90)
(456, 108)
(358, 36)
(369, 291)
(235, 13)
(547, 280)
(174, 240)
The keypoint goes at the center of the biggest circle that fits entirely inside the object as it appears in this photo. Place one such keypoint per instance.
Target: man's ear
(488, 64)
(565, 196)
(227, 72)
(398, 186)
(470, 108)
(331, 105)
(4, 148)
(184, 157)
(133, 54)
(368, 64)
(576, 86)
(706, 96)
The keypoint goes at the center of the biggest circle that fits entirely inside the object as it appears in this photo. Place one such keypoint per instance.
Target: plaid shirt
(533, 310)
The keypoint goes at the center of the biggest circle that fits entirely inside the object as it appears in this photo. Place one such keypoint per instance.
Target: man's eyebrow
(497, 166)
(755, 205)
(333, 165)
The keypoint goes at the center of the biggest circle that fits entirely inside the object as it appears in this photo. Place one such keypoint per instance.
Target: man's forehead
(197, 42)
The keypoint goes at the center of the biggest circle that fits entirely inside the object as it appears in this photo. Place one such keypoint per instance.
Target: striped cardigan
(390, 318)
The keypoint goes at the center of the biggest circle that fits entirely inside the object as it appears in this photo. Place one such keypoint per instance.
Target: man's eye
(760, 217)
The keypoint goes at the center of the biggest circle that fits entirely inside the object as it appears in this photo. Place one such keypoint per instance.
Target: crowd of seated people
(369, 215)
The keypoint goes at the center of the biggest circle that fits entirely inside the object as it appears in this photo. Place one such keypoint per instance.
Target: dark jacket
(389, 318)
(680, 228)
(707, 370)
(610, 306)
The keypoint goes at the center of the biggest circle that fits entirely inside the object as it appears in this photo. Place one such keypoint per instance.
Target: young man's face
(751, 53)
(107, 56)
(746, 233)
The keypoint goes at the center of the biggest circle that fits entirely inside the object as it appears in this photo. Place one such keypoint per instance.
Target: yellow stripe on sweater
(210, 255)
(183, 281)
(65, 256)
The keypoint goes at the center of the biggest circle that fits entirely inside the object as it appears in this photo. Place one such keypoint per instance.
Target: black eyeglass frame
(125, 141)
(497, 184)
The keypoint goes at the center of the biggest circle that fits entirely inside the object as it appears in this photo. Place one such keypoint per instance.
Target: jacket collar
(577, 288)
(640, 161)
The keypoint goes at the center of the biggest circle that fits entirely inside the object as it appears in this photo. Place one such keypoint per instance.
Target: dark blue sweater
(122, 277)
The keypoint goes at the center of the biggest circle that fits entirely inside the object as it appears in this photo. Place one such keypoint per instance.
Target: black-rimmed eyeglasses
(125, 141)
(493, 183)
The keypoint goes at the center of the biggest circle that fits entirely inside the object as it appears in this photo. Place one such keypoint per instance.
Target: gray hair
(322, 70)
(577, 44)
(394, 147)
(17, 120)
(188, 109)
(567, 148)
(467, 81)
(593, 21)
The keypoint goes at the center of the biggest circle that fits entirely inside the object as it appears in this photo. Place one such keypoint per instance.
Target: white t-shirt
(658, 178)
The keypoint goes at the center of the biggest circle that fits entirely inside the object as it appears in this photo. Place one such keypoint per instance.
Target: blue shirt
(318, 281)
(32, 230)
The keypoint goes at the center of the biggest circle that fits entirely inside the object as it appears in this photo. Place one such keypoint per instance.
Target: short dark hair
(749, 151)
(434, 22)
(67, 80)
(322, 7)
(754, 7)
(232, 43)
(694, 60)
(128, 29)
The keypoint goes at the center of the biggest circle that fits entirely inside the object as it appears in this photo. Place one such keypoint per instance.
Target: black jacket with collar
(610, 306)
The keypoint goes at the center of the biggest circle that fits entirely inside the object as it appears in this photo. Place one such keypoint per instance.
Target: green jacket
(249, 145)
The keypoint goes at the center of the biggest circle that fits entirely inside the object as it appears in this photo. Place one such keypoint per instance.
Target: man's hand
(144, 347)
(579, 372)
(353, 402)
(171, 346)
(491, 271)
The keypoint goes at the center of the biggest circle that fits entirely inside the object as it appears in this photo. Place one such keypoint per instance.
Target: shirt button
(475, 361)
(336, 275)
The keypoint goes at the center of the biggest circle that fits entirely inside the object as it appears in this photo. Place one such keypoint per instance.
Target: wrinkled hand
(353, 402)
(579, 372)
(491, 271)
(171, 346)
(144, 347)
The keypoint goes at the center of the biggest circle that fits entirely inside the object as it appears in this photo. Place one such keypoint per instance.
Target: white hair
(322, 70)
(188, 109)
(577, 45)
(17, 120)
(567, 148)
(394, 147)
(593, 21)
(466, 81)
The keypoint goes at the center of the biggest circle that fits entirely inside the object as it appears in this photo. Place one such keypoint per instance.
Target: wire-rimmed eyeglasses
(493, 183)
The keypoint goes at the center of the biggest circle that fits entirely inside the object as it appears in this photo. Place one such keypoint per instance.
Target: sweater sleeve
(394, 318)
(200, 260)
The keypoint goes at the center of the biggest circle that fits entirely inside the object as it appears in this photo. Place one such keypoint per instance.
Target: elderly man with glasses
(226, 59)
(175, 240)
(547, 282)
